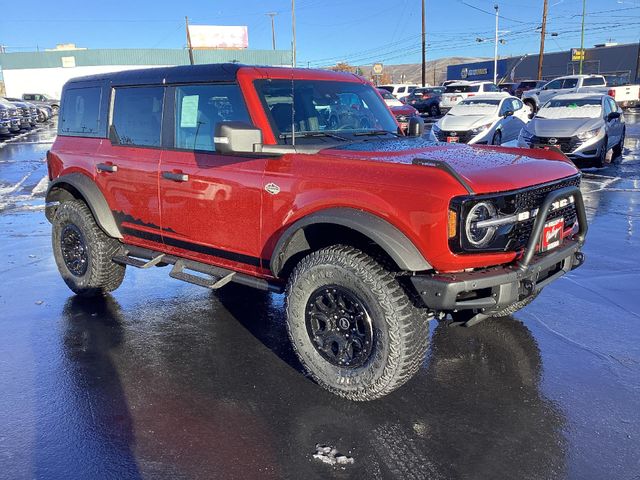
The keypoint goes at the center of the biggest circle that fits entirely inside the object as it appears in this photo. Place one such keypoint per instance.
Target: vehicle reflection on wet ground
(167, 380)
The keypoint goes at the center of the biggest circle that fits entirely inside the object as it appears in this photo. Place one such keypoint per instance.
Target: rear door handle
(176, 177)
(107, 167)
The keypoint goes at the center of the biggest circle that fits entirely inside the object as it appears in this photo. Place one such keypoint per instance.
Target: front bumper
(492, 289)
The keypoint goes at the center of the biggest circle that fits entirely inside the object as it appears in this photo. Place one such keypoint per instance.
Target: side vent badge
(272, 188)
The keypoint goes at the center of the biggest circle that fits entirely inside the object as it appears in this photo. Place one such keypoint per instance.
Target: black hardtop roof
(216, 72)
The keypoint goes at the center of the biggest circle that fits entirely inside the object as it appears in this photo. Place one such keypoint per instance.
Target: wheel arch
(80, 187)
(330, 226)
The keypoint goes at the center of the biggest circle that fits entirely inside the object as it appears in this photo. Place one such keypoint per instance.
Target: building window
(80, 115)
(137, 116)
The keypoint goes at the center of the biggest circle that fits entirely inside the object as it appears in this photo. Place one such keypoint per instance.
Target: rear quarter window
(80, 114)
(593, 82)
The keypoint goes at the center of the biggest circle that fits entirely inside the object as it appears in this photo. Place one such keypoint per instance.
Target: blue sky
(360, 32)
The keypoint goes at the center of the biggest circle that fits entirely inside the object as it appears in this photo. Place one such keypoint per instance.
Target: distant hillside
(412, 72)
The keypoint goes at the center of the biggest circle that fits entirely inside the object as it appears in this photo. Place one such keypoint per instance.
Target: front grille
(463, 137)
(530, 199)
(566, 144)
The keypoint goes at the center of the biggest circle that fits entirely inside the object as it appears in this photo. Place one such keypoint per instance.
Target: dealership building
(620, 62)
(47, 71)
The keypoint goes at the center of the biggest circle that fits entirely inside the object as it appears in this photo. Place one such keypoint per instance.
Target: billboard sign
(216, 36)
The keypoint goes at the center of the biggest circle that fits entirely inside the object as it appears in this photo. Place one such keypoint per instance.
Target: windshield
(315, 108)
(572, 108)
(474, 106)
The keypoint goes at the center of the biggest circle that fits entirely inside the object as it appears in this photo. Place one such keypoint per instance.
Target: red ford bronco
(262, 177)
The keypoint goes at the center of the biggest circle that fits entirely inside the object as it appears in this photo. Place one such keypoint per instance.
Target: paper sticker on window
(189, 112)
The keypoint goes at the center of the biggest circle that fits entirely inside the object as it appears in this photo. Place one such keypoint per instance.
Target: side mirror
(237, 137)
(508, 113)
(613, 116)
(416, 127)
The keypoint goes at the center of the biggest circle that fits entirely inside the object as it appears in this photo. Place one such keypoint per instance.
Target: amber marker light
(452, 224)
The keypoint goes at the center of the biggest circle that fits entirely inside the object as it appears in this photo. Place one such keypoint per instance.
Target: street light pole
(273, 29)
(584, 10)
(495, 55)
(424, 49)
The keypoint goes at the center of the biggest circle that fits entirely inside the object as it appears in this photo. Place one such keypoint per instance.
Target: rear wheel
(83, 252)
(352, 325)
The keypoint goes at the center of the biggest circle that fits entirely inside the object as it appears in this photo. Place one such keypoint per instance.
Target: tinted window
(555, 85)
(570, 83)
(401, 89)
(593, 82)
(137, 116)
(612, 104)
(490, 87)
(81, 112)
(200, 107)
(28, 97)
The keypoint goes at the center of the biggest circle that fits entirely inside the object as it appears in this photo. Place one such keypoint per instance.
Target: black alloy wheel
(74, 251)
(339, 326)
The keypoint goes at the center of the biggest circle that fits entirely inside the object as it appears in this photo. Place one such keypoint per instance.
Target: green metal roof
(134, 56)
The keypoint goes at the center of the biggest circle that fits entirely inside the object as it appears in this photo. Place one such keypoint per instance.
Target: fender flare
(93, 197)
(395, 243)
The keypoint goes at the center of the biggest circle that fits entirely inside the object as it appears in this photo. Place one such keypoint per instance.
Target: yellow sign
(377, 69)
(577, 54)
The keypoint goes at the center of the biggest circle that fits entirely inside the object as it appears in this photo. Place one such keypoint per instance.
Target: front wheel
(601, 160)
(619, 148)
(83, 252)
(352, 325)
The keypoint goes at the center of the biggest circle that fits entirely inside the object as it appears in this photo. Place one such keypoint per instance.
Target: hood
(464, 122)
(407, 110)
(484, 169)
(562, 127)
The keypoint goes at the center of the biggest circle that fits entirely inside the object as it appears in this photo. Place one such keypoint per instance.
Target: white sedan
(491, 119)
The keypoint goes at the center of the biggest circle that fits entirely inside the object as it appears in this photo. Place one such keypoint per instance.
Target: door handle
(176, 176)
(107, 167)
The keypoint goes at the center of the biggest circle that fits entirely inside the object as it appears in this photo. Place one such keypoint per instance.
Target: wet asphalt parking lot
(163, 379)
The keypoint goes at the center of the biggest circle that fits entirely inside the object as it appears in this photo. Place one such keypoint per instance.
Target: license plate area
(552, 234)
(453, 139)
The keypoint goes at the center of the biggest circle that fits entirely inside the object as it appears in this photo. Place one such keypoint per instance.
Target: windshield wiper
(313, 135)
(374, 132)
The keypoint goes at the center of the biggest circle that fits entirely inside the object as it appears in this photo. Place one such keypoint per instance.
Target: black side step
(126, 259)
(212, 282)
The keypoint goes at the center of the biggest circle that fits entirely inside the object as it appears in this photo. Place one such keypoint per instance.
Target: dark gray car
(42, 99)
(584, 126)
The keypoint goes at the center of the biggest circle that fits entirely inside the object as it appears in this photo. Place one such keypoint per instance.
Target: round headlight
(480, 237)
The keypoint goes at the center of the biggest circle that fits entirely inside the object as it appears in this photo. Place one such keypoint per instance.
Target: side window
(137, 116)
(402, 89)
(80, 114)
(474, 88)
(200, 107)
(606, 107)
(28, 97)
(490, 87)
(612, 104)
(517, 105)
(570, 83)
(555, 85)
(593, 82)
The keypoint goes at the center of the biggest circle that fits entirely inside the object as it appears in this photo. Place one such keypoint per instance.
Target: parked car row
(18, 114)
(583, 126)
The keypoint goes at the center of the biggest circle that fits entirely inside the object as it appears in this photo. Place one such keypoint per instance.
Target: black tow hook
(578, 259)
(527, 287)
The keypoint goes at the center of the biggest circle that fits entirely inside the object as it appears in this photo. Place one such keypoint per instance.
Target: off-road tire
(619, 148)
(102, 275)
(514, 307)
(401, 333)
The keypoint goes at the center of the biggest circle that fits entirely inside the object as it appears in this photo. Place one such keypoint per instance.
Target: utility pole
(424, 48)
(495, 53)
(293, 31)
(543, 34)
(273, 29)
(186, 20)
(584, 11)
